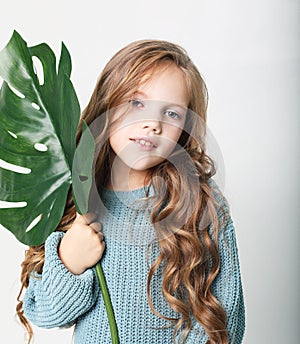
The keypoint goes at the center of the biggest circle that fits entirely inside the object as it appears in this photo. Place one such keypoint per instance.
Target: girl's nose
(152, 125)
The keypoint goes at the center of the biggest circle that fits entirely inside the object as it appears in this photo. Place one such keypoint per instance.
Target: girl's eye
(172, 114)
(136, 103)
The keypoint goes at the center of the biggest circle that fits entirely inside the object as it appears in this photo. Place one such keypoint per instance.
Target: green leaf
(38, 126)
(65, 63)
(82, 169)
(38, 155)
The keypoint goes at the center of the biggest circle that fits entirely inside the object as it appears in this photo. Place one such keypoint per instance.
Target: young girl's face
(149, 131)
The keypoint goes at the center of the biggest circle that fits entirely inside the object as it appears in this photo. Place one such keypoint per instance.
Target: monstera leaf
(39, 159)
(38, 123)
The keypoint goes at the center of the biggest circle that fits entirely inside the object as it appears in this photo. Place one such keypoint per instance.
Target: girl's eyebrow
(144, 95)
(140, 93)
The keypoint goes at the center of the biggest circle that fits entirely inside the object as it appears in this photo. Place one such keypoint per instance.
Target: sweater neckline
(136, 199)
(143, 191)
(127, 215)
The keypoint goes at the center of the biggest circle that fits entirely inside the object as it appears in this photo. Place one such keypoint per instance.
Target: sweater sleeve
(56, 298)
(227, 286)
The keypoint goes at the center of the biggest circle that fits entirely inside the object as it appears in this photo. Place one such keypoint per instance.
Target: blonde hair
(188, 253)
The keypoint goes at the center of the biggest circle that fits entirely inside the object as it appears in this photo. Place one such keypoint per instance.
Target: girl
(162, 229)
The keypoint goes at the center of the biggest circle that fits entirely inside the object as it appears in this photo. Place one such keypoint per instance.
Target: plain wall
(248, 53)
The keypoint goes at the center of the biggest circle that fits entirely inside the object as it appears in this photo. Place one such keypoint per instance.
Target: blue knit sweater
(57, 298)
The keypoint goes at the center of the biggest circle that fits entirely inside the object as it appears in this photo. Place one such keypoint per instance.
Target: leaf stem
(108, 305)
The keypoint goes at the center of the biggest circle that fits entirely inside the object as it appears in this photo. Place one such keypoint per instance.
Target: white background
(248, 53)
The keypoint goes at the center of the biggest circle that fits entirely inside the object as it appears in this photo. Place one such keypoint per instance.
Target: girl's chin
(144, 164)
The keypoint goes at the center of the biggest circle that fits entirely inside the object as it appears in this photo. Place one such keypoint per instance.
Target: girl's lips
(144, 143)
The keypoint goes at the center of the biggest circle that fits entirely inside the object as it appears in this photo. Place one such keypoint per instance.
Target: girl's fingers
(85, 219)
(96, 226)
(101, 237)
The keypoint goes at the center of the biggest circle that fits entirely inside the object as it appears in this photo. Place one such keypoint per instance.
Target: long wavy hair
(188, 251)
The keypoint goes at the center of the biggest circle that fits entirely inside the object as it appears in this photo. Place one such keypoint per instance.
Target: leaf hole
(35, 106)
(34, 223)
(41, 147)
(16, 92)
(12, 134)
(14, 168)
(83, 178)
(38, 69)
(6, 205)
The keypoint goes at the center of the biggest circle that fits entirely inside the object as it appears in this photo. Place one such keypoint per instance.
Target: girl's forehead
(159, 69)
(167, 83)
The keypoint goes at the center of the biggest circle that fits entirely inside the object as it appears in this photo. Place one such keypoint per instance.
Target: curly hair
(188, 249)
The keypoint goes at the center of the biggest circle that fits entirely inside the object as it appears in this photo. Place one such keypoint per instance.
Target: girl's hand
(82, 246)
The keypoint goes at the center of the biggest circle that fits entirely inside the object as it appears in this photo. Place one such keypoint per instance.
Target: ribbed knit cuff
(56, 298)
(53, 260)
